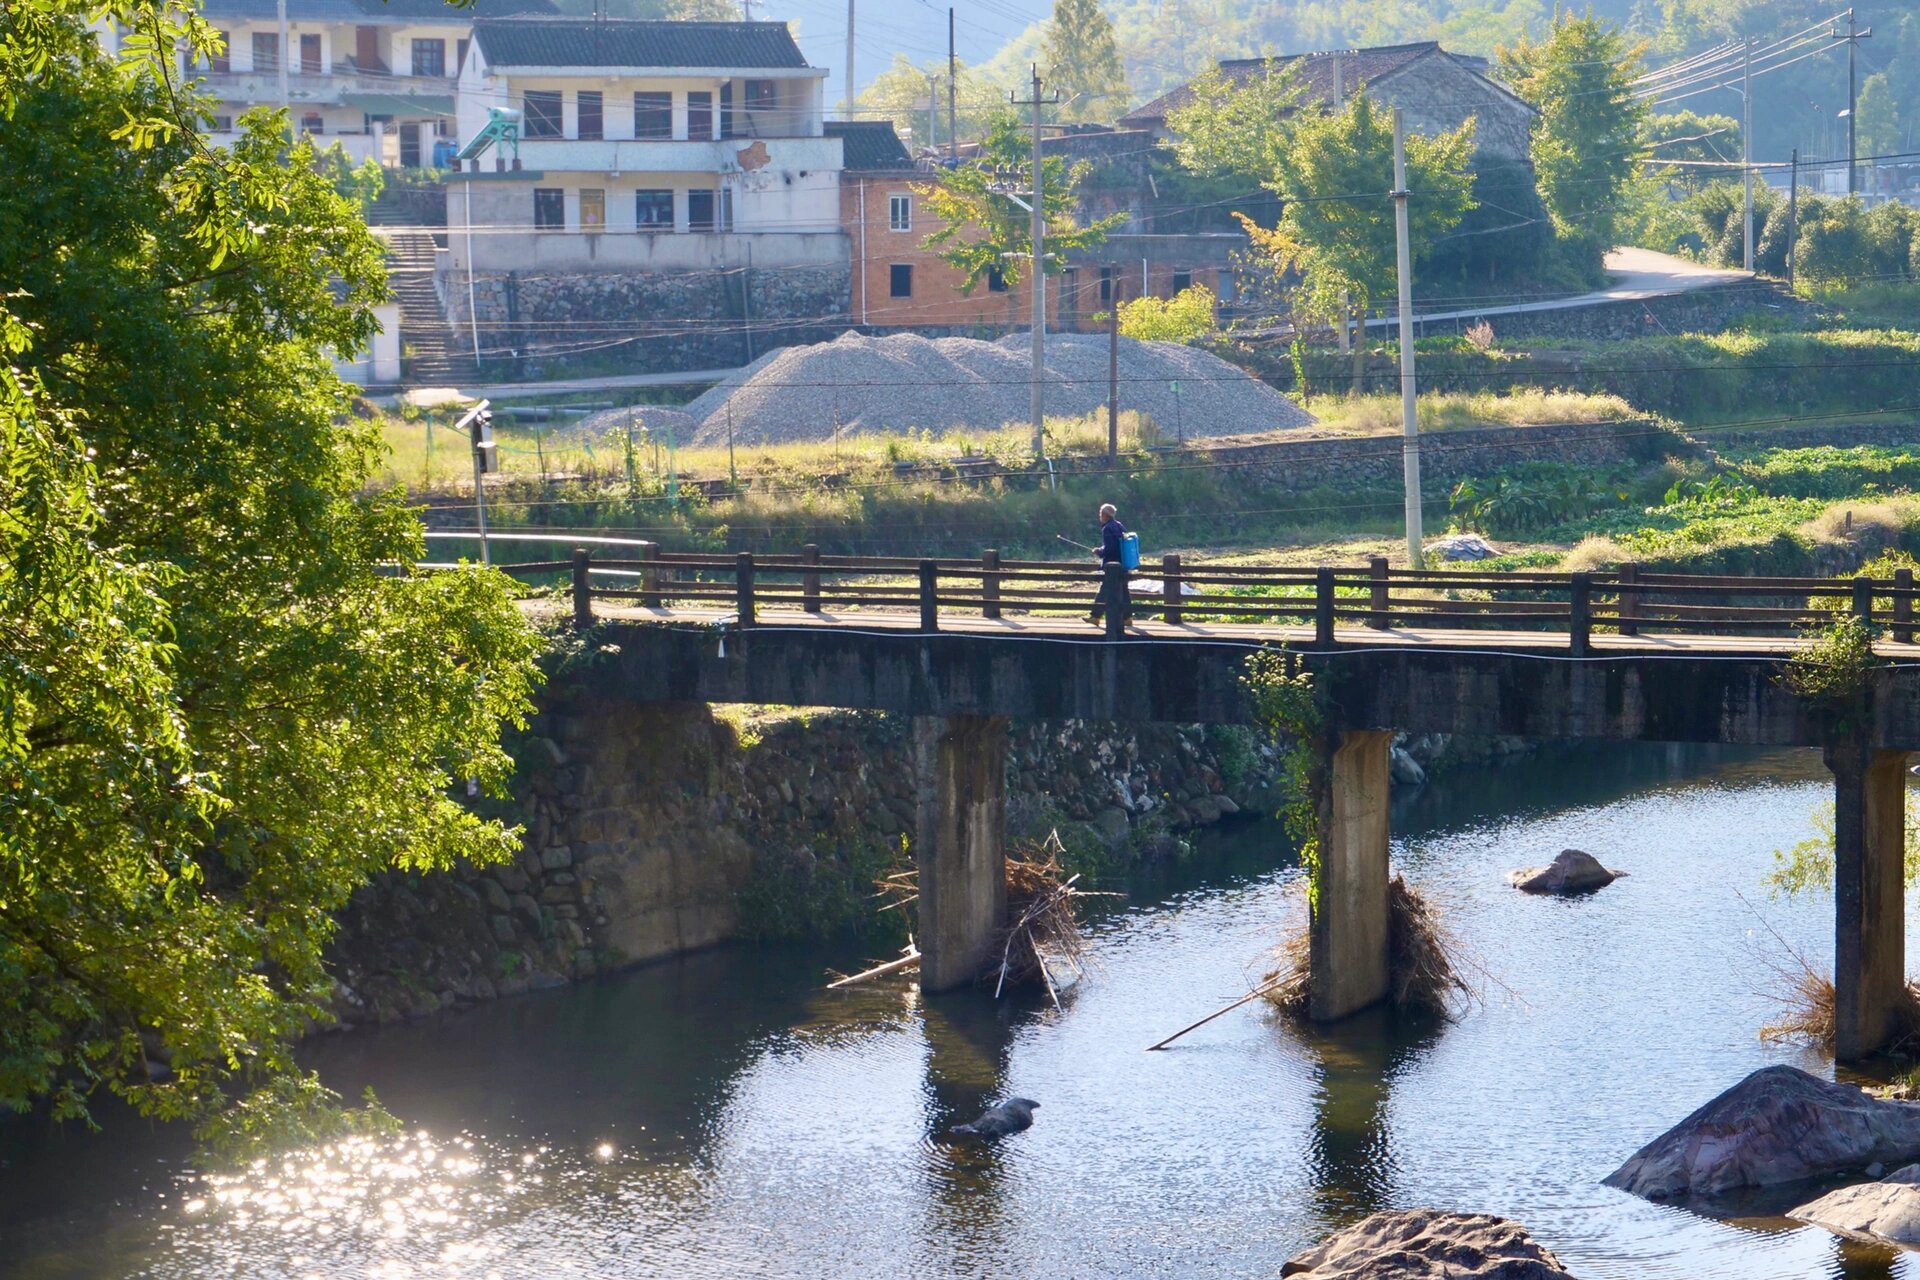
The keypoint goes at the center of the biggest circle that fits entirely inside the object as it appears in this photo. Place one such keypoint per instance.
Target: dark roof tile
(577, 42)
(870, 146)
(1355, 67)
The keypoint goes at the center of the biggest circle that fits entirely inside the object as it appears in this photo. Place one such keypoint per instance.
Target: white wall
(379, 364)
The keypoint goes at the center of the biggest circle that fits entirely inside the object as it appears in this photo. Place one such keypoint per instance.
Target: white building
(644, 146)
(377, 76)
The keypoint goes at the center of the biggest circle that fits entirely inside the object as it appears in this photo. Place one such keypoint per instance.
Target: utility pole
(1409, 417)
(1113, 368)
(1793, 215)
(953, 90)
(1746, 141)
(850, 114)
(1037, 230)
(286, 98)
(1853, 39)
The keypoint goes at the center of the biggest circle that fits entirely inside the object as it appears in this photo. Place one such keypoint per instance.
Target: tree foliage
(220, 714)
(1237, 126)
(1185, 317)
(1337, 228)
(1587, 134)
(901, 94)
(1079, 56)
(1699, 142)
(982, 230)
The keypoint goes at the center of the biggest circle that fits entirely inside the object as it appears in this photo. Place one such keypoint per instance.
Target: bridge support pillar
(1349, 934)
(1869, 894)
(960, 845)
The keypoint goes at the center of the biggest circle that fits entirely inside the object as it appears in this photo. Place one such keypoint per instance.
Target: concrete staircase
(431, 354)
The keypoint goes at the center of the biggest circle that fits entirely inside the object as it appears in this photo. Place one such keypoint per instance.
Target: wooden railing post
(582, 590)
(649, 575)
(743, 587)
(1170, 587)
(1114, 588)
(1323, 608)
(1902, 606)
(1580, 615)
(929, 596)
(990, 583)
(1379, 615)
(1863, 599)
(810, 579)
(1628, 608)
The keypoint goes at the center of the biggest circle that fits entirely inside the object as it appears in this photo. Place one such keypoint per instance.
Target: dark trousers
(1101, 601)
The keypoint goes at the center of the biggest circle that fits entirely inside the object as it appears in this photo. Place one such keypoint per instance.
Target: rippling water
(723, 1116)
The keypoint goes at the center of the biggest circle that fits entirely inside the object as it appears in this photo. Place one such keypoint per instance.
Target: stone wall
(648, 322)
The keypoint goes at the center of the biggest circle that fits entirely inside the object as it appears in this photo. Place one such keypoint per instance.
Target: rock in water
(1011, 1116)
(1425, 1244)
(1570, 873)
(1778, 1125)
(1888, 1210)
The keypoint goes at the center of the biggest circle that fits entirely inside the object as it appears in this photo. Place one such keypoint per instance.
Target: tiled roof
(870, 146)
(440, 9)
(578, 42)
(1355, 67)
(360, 11)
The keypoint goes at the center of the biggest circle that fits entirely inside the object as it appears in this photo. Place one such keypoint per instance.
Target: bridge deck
(1487, 640)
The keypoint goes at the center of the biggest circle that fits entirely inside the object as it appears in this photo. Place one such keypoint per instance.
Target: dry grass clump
(1379, 413)
(1422, 970)
(1850, 521)
(1808, 1010)
(1594, 554)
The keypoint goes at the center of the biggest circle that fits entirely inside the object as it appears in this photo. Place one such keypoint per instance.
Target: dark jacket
(1110, 534)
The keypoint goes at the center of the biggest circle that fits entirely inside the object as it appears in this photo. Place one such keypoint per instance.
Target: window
(653, 114)
(700, 115)
(593, 209)
(223, 124)
(541, 113)
(653, 210)
(899, 213)
(590, 117)
(549, 209)
(762, 95)
(700, 210)
(1182, 280)
(266, 51)
(726, 110)
(900, 280)
(725, 222)
(312, 123)
(430, 57)
(366, 49)
(996, 280)
(1106, 284)
(310, 55)
(218, 61)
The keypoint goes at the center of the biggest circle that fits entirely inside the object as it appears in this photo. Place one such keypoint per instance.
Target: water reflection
(1356, 1172)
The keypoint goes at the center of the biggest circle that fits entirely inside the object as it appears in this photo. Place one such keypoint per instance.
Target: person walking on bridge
(1112, 539)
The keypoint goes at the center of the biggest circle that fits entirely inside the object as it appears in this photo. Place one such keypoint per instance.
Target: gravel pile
(904, 382)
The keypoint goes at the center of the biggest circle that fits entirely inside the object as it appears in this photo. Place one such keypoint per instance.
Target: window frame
(221, 63)
(897, 274)
(652, 196)
(550, 126)
(580, 115)
(696, 196)
(439, 46)
(706, 109)
(266, 40)
(1178, 276)
(318, 64)
(547, 200)
(659, 105)
(597, 196)
(897, 206)
(996, 280)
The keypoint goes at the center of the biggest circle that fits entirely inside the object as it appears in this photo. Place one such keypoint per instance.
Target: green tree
(1699, 142)
(1236, 126)
(1185, 317)
(1586, 138)
(361, 184)
(982, 230)
(900, 94)
(1337, 229)
(1878, 132)
(221, 709)
(1080, 57)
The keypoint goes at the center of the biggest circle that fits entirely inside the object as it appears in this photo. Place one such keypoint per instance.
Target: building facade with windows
(644, 145)
(376, 76)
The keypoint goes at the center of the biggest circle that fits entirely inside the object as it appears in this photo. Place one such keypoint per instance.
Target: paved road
(1636, 274)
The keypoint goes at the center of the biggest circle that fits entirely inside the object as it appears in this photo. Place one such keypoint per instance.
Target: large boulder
(1425, 1244)
(1888, 1210)
(1570, 873)
(1779, 1125)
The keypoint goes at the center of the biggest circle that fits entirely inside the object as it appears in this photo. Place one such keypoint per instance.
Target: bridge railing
(929, 594)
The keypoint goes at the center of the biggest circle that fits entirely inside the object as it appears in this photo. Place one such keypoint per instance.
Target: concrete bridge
(1622, 656)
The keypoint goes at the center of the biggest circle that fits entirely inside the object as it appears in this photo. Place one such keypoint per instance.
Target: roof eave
(589, 68)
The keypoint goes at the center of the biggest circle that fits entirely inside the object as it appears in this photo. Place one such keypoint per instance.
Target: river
(722, 1116)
